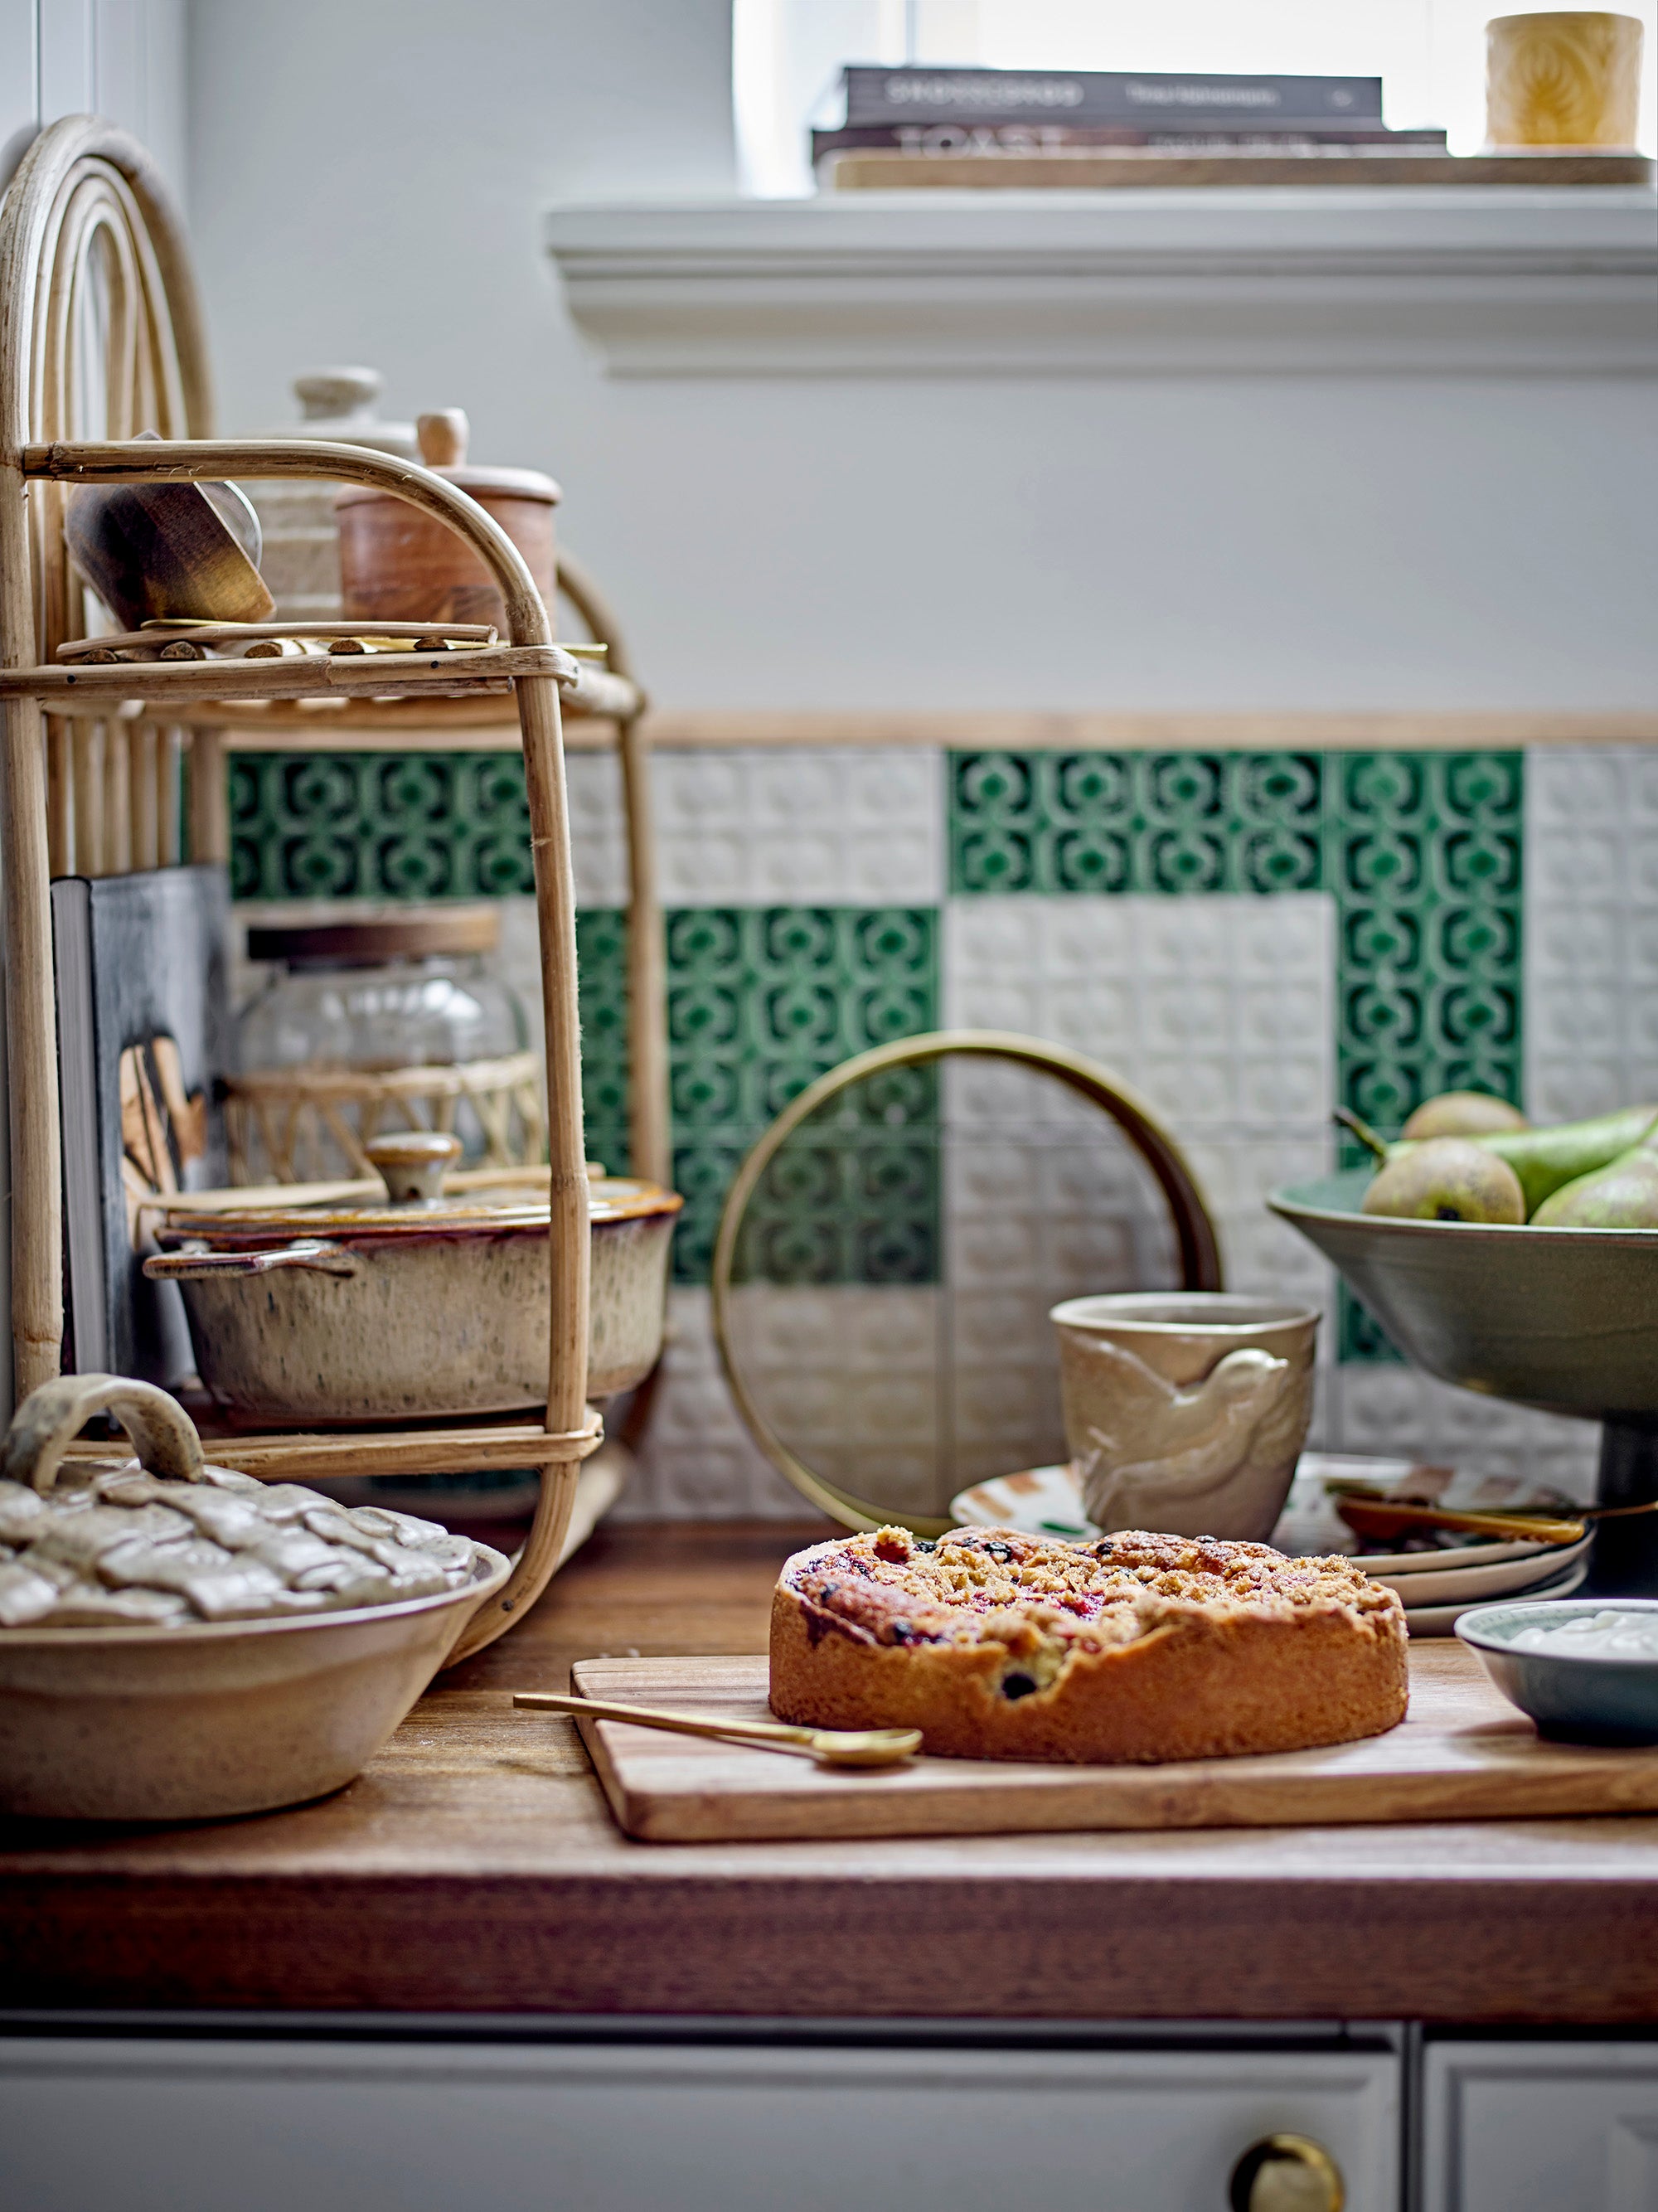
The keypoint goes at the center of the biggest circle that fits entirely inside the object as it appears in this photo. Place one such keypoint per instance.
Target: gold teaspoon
(829, 1746)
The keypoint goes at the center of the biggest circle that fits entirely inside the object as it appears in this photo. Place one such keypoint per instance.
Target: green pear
(1447, 1179)
(1623, 1195)
(1462, 1114)
(1544, 1159)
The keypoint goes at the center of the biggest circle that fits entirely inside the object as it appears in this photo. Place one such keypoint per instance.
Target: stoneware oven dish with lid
(425, 1304)
(178, 1641)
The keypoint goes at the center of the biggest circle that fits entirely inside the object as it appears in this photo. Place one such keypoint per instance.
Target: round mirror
(889, 1250)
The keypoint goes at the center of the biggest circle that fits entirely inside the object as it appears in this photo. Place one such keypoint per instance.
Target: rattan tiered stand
(98, 324)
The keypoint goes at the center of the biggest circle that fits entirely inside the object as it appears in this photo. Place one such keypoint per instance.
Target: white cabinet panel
(198, 2126)
(1540, 2127)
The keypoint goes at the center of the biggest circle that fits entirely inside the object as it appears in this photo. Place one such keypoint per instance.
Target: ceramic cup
(1186, 1411)
(1565, 78)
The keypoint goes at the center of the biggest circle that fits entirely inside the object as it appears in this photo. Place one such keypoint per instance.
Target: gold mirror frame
(1200, 1252)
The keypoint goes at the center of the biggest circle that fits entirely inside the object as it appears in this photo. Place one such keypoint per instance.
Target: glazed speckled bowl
(199, 1719)
(1562, 1319)
(339, 1314)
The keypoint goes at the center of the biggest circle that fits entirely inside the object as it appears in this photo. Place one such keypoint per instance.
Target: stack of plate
(1437, 1584)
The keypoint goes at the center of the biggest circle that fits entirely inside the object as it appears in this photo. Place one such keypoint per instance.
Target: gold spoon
(829, 1746)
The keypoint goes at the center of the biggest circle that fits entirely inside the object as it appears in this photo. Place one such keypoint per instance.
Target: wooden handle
(320, 1258)
(443, 436)
(52, 1417)
(601, 1709)
(1380, 1518)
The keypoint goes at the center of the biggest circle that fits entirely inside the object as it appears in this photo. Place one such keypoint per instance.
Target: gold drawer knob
(1287, 2173)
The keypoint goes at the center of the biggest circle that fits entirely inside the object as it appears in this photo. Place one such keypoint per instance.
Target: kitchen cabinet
(1562, 2127)
(193, 2124)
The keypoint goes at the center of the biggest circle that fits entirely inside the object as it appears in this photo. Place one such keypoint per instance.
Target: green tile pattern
(378, 825)
(1143, 822)
(601, 953)
(854, 1195)
(1423, 852)
(760, 1001)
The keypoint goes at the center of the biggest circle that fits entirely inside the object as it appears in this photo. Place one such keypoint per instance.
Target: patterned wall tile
(697, 1458)
(411, 826)
(1422, 853)
(1591, 930)
(1426, 862)
(847, 1376)
(760, 826)
(377, 825)
(761, 1002)
(1167, 823)
(1219, 1011)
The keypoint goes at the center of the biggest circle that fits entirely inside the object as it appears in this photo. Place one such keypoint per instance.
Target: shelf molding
(711, 729)
(1411, 281)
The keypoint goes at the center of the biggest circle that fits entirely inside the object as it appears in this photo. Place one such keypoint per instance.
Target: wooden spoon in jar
(829, 1746)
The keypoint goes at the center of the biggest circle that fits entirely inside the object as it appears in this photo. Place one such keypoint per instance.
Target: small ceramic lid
(443, 439)
(414, 1164)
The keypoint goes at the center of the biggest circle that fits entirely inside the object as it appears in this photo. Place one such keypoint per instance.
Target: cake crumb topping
(1040, 1598)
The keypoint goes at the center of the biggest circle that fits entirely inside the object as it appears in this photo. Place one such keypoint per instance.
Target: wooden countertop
(474, 1868)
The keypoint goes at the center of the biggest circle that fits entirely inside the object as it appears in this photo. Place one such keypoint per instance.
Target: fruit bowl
(1564, 1320)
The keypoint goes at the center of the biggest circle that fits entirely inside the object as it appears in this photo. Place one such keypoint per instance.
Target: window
(1429, 54)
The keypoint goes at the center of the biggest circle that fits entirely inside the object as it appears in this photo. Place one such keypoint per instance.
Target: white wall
(367, 184)
(122, 58)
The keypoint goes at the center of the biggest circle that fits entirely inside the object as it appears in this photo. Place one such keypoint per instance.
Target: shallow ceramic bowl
(215, 1718)
(1581, 1699)
(1562, 1319)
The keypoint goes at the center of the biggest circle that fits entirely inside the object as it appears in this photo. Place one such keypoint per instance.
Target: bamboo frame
(85, 186)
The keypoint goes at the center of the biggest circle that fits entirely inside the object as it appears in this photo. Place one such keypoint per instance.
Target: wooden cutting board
(1462, 1753)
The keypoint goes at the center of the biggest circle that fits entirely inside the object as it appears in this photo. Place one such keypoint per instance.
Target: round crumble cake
(1137, 1647)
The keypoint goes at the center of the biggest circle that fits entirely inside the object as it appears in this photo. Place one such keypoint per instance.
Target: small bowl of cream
(1586, 1672)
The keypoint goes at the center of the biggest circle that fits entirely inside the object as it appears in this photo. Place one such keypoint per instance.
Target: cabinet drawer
(1563, 2126)
(193, 2126)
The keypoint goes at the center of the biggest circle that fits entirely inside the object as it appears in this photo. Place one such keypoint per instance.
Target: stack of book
(975, 127)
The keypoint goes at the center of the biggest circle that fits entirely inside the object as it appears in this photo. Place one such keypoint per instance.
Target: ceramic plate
(1442, 1620)
(1046, 1501)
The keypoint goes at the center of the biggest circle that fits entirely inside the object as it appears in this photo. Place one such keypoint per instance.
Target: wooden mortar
(398, 563)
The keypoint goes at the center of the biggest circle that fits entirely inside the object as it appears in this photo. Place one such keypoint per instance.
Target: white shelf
(1350, 280)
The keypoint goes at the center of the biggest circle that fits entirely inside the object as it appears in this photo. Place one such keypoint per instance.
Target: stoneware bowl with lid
(178, 1641)
(428, 1305)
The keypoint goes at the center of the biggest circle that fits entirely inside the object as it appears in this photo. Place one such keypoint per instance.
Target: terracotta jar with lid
(399, 564)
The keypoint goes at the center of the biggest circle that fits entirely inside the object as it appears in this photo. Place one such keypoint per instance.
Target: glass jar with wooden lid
(368, 1027)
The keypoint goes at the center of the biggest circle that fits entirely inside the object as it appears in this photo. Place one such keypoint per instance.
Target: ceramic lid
(443, 439)
(421, 1199)
(112, 1546)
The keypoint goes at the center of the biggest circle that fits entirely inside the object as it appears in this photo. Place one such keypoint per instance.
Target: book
(912, 93)
(936, 140)
(1096, 169)
(142, 1029)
